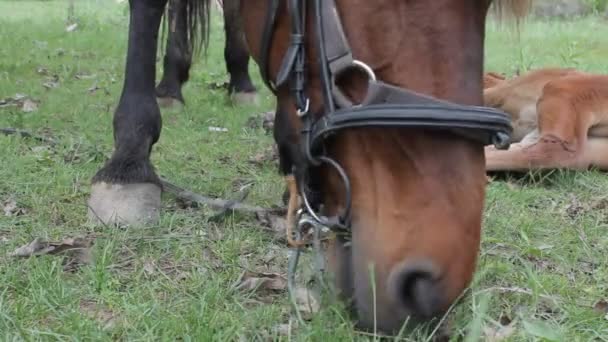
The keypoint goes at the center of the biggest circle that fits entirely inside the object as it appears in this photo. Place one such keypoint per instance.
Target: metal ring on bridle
(357, 64)
(301, 113)
(338, 95)
(347, 190)
(368, 70)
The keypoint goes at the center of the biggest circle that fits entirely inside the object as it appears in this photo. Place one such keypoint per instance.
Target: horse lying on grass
(559, 116)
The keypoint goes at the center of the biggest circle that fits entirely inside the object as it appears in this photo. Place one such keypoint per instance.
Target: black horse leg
(126, 189)
(236, 56)
(178, 56)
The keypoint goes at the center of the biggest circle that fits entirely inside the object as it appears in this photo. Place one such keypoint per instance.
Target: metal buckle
(302, 113)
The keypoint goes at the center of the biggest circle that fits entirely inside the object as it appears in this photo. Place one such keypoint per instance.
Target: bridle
(383, 106)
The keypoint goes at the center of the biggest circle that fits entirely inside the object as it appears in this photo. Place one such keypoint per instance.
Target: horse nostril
(415, 285)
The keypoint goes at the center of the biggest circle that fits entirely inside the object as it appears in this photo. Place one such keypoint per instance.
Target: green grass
(544, 243)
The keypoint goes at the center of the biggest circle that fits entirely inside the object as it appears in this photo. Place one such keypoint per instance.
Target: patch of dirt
(601, 307)
(275, 225)
(11, 208)
(576, 208)
(167, 267)
(105, 317)
(266, 156)
(263, 120)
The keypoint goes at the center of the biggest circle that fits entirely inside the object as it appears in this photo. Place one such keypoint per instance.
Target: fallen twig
(215, 203)
(242, 195)
(26, 134)
(221, 205)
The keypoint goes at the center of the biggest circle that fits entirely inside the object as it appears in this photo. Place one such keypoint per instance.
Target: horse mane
(511, 9)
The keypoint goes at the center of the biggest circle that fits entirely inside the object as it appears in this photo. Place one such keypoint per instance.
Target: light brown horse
(560, 119)
(417, 195)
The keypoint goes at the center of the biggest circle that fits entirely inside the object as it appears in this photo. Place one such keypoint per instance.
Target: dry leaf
(38, 246)
(306, 302)
(500, 333)
(217, 129)
(267, 155)
(93, 88)
(286, 329)
(76, 251)
(252, 281)
(83, 76)
(268, 121)
(264, 120)
(277, 225)
(51, 82)
(71, 28)
(29, 106)
(18, 100)
(10, 208)
(42, 70)
(149, 267)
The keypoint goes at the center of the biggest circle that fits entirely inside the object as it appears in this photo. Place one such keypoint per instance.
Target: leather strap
(384, 105)
(266, 43)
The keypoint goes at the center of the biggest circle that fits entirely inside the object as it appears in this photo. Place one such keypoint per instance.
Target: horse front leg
(127, 190)
(178, 57)
(236, 56)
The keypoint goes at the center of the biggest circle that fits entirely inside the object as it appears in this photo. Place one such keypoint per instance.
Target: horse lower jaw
(124, 204)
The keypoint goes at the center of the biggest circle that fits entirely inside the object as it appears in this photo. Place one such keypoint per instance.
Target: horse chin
(389, 298)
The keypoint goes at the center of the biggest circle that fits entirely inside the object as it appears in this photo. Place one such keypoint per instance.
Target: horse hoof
(169, 103)
(245, 98)
(124, 204)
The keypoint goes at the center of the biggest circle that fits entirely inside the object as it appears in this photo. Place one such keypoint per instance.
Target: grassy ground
(542, 266)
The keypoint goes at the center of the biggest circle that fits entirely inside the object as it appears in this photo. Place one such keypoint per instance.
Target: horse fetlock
(124, 204)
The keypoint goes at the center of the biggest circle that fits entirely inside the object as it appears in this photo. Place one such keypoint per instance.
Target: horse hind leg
(236, 56)
(126, 190)
(178, 57)
(559, 143)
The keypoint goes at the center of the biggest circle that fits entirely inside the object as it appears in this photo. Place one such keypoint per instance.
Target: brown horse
(417, 193)
(559, 119)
